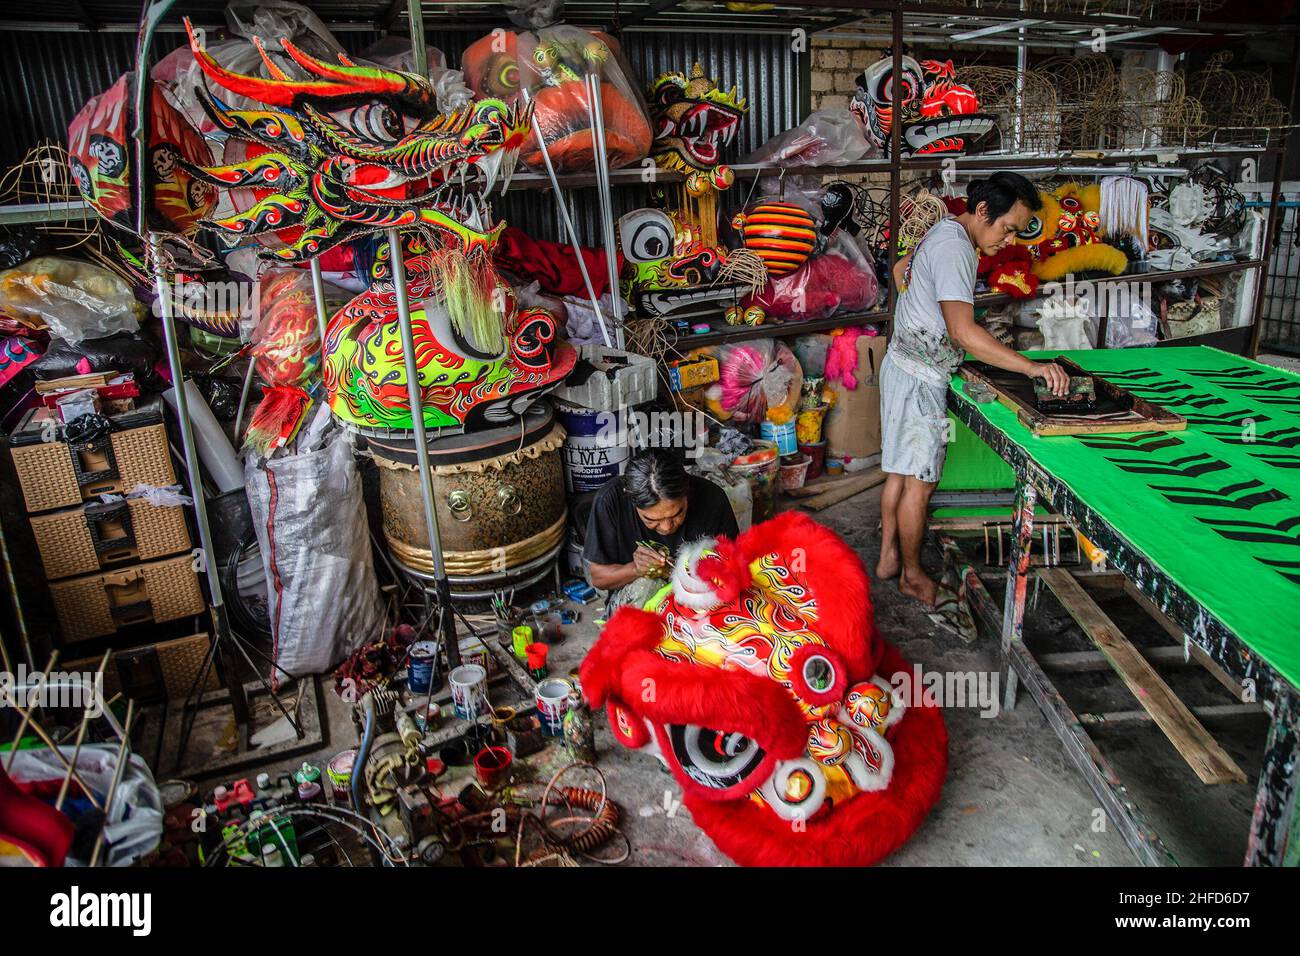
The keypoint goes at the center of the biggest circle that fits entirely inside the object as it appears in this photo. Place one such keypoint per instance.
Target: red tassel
(276, 419)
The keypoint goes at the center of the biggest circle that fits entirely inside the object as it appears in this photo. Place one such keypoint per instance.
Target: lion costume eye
(716, 759)
(647, 235)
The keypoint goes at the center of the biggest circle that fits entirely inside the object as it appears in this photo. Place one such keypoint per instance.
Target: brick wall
(835, 68)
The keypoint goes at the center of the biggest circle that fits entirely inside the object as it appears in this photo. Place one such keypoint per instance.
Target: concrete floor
(1011, 796)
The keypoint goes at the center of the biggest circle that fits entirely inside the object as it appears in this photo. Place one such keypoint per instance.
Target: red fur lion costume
(758, 677)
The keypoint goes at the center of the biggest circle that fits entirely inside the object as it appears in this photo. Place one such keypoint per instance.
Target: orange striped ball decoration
(780, 233)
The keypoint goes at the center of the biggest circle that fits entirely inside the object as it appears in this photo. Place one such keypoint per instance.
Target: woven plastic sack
(310, 520)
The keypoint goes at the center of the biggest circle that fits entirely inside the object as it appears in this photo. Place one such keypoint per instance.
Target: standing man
(934, 327)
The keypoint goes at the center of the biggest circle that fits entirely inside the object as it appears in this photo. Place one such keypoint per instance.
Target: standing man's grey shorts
(914, 426)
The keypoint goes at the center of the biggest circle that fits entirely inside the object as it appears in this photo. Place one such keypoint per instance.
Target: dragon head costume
(548, 69)
(353, 150)
(937, 113)
(694, 121)
(758, 677)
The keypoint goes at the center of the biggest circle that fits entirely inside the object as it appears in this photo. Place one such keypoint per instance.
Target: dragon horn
(276, 72)
(340, 80)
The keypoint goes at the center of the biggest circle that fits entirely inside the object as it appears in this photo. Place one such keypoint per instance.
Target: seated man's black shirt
(614, 527)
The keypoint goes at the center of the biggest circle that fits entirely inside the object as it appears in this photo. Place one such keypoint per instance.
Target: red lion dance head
(758, 677)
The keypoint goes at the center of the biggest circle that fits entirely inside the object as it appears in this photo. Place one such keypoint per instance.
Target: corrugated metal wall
(45, 78)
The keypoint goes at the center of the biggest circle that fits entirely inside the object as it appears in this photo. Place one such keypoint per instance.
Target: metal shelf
(736, 333)
(771, 330)
(1116, 159)
(36, 213)
(1209, 269)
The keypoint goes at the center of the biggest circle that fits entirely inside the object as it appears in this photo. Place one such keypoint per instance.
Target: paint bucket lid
(554, 688)
(468, 674)
(423, 650)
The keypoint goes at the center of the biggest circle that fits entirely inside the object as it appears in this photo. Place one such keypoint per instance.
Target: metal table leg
(1275, 825)
(1013, 605)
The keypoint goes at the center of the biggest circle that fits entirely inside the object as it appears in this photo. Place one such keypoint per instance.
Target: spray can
(309, 788)
(579, 730)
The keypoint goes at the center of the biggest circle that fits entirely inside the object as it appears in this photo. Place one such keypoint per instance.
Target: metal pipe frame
(447, 626)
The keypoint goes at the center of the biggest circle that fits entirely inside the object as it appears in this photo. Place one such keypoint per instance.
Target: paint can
(552, 704)
(593, 453)
(492, 765)
(421, 663)
(339, 770)
(468, 684)
(783, 435)
(520, 638)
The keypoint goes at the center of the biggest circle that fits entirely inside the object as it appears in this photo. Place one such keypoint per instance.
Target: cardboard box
(853, 424)
(685, 374)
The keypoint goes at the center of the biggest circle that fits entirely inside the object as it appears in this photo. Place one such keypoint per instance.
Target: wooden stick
(844, 490)
(117, 778)
(81, 735)
(1210, 762)
(22, 726)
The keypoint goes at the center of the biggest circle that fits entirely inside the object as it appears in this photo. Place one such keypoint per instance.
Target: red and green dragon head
(353, 150)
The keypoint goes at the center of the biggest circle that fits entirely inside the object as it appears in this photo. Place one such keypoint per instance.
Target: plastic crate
(54, 474)
(621, 379)
(100, 604)
(97, 536)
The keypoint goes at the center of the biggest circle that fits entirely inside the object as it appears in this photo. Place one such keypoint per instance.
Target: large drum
(499, 496)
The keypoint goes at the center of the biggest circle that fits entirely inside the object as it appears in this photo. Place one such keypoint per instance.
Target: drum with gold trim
(500, 502)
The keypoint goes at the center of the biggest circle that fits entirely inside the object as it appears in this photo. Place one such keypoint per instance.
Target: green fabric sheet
(970, 465)
(1215, 507)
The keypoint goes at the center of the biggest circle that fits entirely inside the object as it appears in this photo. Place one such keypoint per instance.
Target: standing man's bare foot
(887, 567)
(920, 586)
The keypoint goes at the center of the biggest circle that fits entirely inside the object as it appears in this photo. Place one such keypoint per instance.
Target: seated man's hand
(649, 564)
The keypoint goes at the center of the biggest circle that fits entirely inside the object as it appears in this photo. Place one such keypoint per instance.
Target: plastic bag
(285, 346)
(394, 53)
(311, 526)
(811, 351)
(758, 379)
(829, 137)
(550, 66)
(77, 300)
(134, 821)
(270, 21)
(840, 279)
(122, 352)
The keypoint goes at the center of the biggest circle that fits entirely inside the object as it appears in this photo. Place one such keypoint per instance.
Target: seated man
(638, 522)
